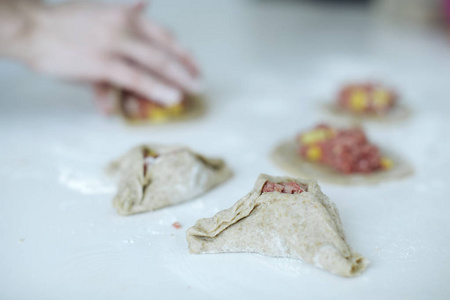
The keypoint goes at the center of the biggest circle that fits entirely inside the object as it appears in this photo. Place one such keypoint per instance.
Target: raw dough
(172, 175)
(287, 158)
(398, 113)
(303, 226)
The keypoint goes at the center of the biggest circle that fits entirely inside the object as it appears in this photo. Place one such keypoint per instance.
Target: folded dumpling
(155, 176)
(283, 217)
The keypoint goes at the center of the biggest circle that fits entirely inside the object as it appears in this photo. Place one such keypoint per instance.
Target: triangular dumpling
(154, 176)
(303, 225)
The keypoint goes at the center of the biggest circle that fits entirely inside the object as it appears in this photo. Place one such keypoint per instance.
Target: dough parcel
(304, 225)
(155, 176)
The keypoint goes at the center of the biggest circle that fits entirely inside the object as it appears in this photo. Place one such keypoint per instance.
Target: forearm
(17, 19)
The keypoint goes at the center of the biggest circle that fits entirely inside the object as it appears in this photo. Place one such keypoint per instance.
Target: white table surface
(267, 65)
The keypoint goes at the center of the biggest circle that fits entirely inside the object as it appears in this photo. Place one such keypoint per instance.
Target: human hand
(113, 44)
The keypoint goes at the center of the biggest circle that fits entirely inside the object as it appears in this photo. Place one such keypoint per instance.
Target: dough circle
(286, 157)
(399, 113)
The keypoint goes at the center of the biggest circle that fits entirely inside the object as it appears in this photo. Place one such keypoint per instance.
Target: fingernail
(165, 95)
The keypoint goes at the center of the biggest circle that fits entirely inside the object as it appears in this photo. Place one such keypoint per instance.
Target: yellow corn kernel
(175, 110)
(159, 114)
(314, 153)
(358, 101)
(314, 136)
(380, 98)
(386, 163)
(163, 113)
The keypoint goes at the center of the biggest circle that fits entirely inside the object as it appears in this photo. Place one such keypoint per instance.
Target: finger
(139, 6)
(159, 63)
(165, 40)
(106, 98)
(160, 36)
(123, 75)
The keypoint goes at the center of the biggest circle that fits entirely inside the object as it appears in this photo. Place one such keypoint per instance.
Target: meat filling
(367, 98)
(283, 187)
(138, 108)
(345, 150)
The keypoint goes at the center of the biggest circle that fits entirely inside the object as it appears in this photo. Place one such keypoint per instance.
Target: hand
(114, 44)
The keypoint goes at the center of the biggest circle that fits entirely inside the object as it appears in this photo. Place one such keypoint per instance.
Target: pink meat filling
(283, 187)
(348, 151)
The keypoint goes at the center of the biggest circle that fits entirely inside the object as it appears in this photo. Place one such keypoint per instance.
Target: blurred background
(291, 42)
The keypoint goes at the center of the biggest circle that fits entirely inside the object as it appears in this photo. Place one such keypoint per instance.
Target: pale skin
(98, 43)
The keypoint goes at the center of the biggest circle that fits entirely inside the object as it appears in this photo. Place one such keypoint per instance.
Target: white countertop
(267, 66)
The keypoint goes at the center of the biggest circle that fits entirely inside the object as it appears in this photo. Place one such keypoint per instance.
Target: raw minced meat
(345, 150)
(367, 98)
(283, 187)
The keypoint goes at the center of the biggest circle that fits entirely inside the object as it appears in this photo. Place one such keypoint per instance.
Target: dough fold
(155, 176)
(302, 226)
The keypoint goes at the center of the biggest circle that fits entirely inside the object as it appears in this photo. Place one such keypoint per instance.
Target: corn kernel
(159, 114)
(175, 110)
(314, 136)
(386, 163)
(380, 98)
(314, 153)
(358, 101)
